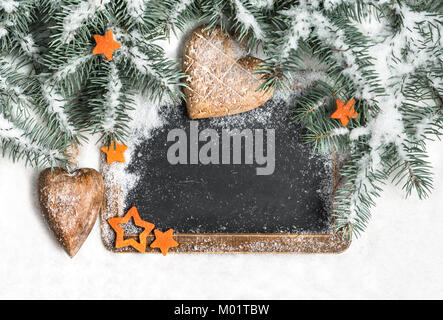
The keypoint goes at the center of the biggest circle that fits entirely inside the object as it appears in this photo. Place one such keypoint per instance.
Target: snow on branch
(410, 42)
(178, 10)
(74, 64)
(9, 6)
(262, 3)
(15, 95)
(15, 91)
(57, 106)
(3, 31)
(112, 99)
(8, 129)
(28, 45)
(246, 18)
(78, 15)
(300, 28)
(364, 188)
(146, 66)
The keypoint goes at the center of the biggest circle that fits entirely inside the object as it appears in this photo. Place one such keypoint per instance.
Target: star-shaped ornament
(164, 241)
(106, 45)
(114, 152)
(120, 240)
(345, 111)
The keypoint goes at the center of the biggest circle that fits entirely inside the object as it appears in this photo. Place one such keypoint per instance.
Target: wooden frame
(223, 243)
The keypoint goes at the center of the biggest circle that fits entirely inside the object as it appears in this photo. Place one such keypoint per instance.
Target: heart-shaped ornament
(70, 203)
(221, 79)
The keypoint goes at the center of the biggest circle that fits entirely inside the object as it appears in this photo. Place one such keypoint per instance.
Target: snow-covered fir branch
(57, 106)
(17, 140)
(112, 99)
(386, 54)
(136, 9)
(9, 6)
(73, 66)
(267, 4)
(29, 46)
(300, 25)
(245, 17)
(147, 66)
(15, 19)
(15, 88)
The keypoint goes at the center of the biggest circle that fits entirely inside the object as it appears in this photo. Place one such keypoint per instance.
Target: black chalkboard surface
(236, 184)
(242, 189)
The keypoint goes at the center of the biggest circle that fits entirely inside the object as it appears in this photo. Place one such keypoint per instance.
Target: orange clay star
(120, 241)
(106, 45)
(164, 241)
(345, 110)
(114, 153)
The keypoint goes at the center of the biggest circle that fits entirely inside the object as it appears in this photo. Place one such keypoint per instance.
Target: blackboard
(230, 195)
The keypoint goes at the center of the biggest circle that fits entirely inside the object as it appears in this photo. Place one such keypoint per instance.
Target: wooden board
(226, 206)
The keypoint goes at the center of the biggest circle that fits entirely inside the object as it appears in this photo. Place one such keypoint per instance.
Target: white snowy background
(399, 256)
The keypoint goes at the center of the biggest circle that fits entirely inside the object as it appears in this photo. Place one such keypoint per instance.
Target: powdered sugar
(8, 130)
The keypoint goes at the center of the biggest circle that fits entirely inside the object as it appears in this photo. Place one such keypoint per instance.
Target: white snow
(56, 105)
(178, 9)
(399, 256)
(20, 97)
(145, 117)
(3, 31)
(28, 45)
(66, 70)
(10, 132)
(300, 29)
(340, 131)
(112, 98)
(143, 64)
(262, 3)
